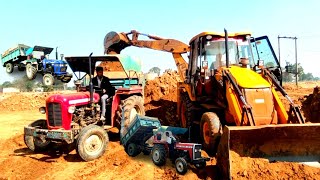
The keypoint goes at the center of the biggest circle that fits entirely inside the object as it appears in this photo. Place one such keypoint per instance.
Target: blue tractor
(38, 62)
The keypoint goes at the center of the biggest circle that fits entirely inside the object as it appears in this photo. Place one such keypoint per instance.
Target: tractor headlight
(42, 110)
(197, 150)
(71, 109)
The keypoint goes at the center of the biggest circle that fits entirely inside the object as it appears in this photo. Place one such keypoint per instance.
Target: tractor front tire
(129, 108)
(48, 80)
(31, 71)
(34, 143)
(181, 165)
(92, 142)
(211, 130)
(9, 68)
(132, 150)
(159, 155)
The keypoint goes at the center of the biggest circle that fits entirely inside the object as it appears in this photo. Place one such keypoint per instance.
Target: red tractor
(180, 153)
(74, 119)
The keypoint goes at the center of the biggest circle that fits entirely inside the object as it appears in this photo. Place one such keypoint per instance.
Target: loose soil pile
(161, 98)
(311, 106)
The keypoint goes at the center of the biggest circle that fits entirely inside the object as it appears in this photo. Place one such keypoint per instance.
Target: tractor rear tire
(159, 155)
(9, 68)
(132, 150)
(31, 71)
(186, 112)
(48, 80)
(211, 130)
(34, 143)
(129, 108)
(181, 165)
(92, 142)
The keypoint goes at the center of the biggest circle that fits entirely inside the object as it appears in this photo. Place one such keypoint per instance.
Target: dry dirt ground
(17, 162)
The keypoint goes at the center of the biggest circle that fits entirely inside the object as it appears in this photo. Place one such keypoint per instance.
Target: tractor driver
(171, 141)
(102, 82)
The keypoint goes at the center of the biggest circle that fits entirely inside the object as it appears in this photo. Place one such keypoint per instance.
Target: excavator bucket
(243, 148)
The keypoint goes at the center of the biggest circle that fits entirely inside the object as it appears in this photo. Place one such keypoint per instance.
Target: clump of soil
(161, 98)
(311, 106)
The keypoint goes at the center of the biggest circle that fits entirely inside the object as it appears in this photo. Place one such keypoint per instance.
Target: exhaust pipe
(90, 84)
(226, 46)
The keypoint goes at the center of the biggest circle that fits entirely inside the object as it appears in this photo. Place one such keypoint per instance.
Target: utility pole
(296, 55)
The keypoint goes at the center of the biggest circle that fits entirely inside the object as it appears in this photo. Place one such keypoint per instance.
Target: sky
(78, 27)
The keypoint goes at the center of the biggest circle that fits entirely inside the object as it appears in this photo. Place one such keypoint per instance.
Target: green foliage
(7, 84)
(23, 84)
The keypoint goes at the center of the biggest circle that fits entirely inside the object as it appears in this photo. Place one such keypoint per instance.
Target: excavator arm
(115, 42)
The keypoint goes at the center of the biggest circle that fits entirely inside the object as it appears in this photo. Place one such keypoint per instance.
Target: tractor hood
(246, 78)
(76, 99)
(81, 63)
(54, 61)
(45, 50)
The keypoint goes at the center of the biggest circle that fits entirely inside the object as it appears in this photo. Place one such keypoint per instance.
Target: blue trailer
(13, 57)
(141, 129)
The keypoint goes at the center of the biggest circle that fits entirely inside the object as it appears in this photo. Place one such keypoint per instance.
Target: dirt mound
(24, 101)
(311, 106)
(249, 168)
(161, 97)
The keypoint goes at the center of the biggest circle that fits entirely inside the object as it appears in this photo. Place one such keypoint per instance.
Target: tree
(6, 84)
(155, 70)
(24, 84)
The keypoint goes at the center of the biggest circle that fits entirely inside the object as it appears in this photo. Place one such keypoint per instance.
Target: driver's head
(99, 71)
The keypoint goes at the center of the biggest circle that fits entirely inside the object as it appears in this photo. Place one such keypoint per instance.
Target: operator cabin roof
(217, 34)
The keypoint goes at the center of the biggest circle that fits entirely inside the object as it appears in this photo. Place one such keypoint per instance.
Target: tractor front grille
(54, 114)
(197, 151)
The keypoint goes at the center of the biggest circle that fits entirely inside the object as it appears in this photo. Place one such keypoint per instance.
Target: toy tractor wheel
(129, 108)
(48, 80)
(92, 142)
(31, 71)
(133, 150)
(9, 68)
(211, 131)
(181, 165)
(159, 154)
(200, 165)
(34, 143)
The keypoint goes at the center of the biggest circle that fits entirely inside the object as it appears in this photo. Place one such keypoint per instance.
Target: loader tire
(34, 143)
(211, 130)
(133, 150)
(186, 113)
(9, 68)
(129, 108)
(92, 142)
(31, 72)
(48, 80)
(159, 154)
